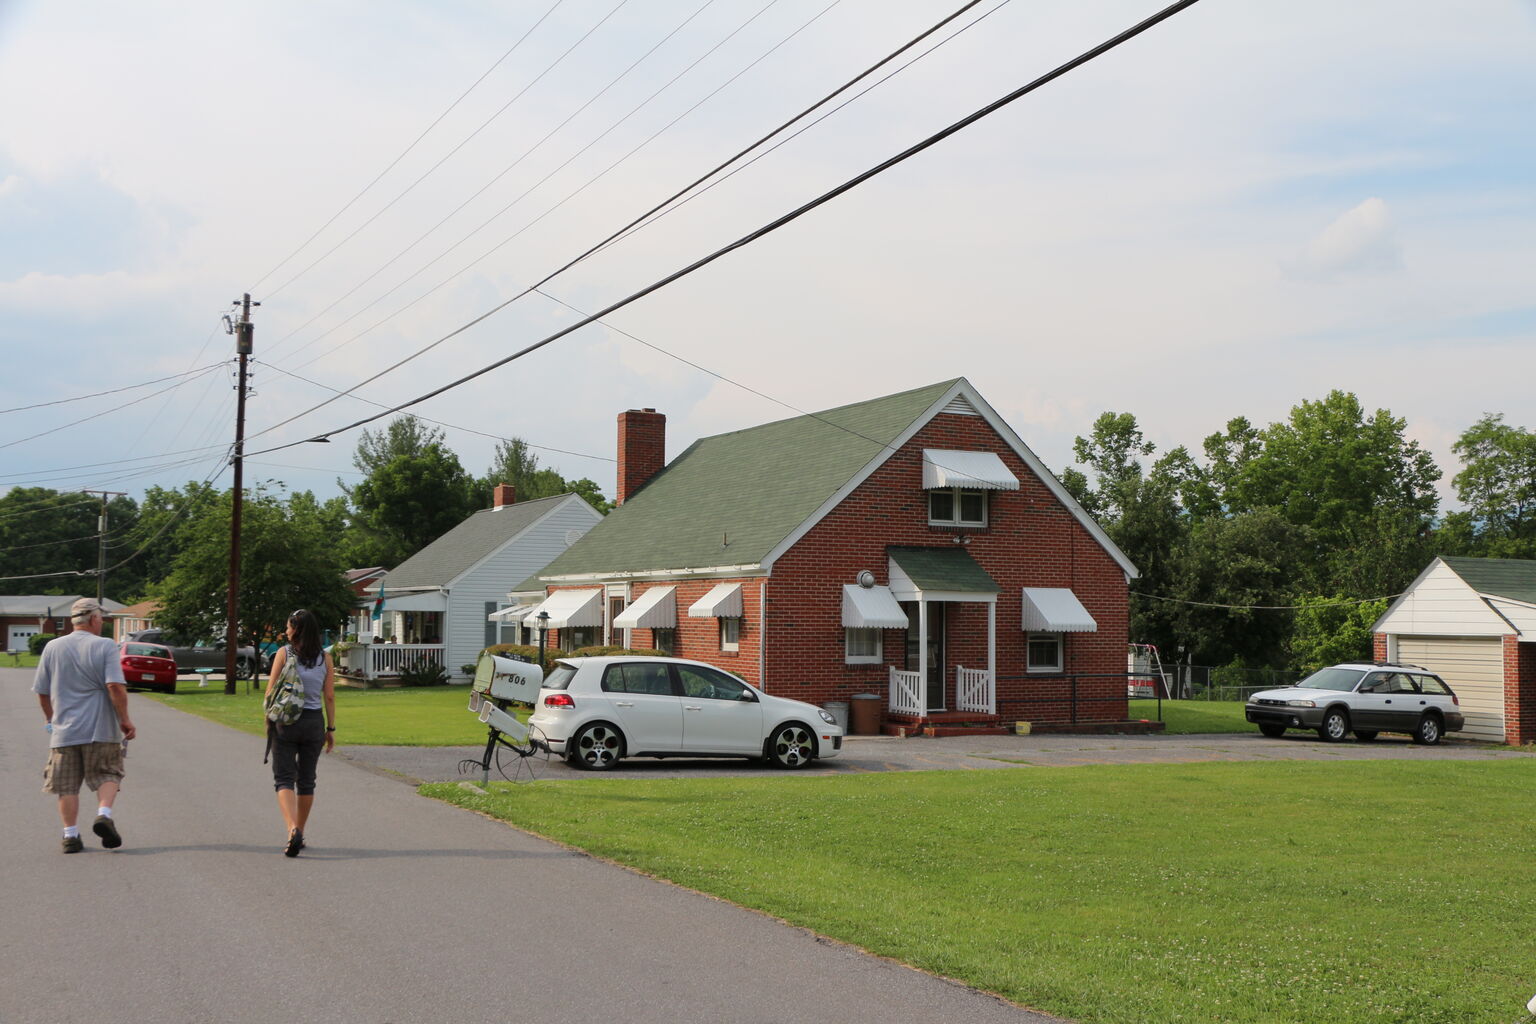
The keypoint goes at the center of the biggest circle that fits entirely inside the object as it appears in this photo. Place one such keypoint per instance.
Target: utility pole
(101, 543)
(243, 330)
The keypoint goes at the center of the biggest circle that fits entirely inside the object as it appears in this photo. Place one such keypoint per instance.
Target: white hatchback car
(595, 711)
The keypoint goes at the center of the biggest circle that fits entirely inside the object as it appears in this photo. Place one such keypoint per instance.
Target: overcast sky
(1248, 206)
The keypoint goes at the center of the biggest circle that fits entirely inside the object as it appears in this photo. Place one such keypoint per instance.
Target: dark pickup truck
(189, 659)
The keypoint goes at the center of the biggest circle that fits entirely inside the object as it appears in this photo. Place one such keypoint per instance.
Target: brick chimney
(642, 449)
(502, 495)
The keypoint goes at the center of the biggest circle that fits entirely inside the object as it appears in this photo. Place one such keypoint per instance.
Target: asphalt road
(402, 910)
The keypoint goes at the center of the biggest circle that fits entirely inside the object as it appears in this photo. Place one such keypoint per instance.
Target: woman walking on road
(296, 748)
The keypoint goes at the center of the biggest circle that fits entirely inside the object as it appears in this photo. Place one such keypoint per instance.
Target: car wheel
(169, 687)
(1365, 735)
(792, 746)
(1428, 732)
(1272, 730)
(245, 668)
(596, 748)
(1335, 725)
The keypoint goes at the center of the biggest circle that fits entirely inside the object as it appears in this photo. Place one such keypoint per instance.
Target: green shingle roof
(1514, 578)
(732, 498)
(943, 569)
(441, 562)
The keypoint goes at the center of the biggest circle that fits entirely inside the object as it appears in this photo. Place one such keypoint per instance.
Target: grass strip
(435, 716)
(1184, 717)
(1283, 891)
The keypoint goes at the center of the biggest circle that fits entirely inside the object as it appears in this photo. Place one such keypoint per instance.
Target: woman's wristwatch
(330, 728)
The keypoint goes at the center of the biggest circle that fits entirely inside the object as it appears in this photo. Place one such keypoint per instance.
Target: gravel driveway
(893, 754)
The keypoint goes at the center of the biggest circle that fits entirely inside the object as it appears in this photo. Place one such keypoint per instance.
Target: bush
(522, 652)
(467, 670)
(620, 652)
(423, 672)
(36, 642)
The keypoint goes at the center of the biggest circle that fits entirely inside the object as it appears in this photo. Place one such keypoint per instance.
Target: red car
(148, 666)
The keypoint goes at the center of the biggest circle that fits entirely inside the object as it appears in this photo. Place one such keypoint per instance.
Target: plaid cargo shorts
(91, 763)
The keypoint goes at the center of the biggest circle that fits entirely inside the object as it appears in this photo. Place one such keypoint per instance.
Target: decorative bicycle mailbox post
(500, 683)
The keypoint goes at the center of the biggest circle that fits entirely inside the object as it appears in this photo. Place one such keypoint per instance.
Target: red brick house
(910, 546)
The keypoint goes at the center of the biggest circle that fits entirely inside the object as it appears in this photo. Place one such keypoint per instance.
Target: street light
(543, 632)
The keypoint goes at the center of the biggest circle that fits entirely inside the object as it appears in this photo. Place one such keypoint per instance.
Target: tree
(288, 560)
(1498, 485)
(1331, 630)
(407, 503)
(414, 490)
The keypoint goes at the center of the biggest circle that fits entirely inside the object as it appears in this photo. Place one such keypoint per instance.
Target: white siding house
(437, 602)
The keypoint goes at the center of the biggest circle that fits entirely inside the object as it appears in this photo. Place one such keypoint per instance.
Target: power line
(94, 416)
(45, 505)
(501, 174)
(49, 543)
(377, 178)
(761, 232)
(1343, 602)
(119, 462)
(440, 423)
(113, 391)
(387, 206)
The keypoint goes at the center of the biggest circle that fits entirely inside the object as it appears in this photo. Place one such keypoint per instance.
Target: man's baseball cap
(85, 608)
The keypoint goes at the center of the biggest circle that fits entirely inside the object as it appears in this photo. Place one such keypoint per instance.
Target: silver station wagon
(1365, 699)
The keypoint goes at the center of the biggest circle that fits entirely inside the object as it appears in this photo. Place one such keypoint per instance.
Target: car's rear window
(1332, 679)
(1432, 684)
(638, 677)
(559, 677)
(146, 650)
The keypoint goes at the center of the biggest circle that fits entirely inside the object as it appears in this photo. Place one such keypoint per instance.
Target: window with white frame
(664, 640)
(730, 634)
(862, 647)
(956, 506)
(1045, 652)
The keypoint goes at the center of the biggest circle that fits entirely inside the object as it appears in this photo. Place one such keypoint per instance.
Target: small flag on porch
(378, 606)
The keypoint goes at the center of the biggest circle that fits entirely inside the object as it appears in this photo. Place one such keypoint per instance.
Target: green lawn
(1283, 891)
(1193, 716)
(416, 717)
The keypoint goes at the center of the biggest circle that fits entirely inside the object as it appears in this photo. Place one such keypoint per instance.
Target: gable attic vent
(961, 406)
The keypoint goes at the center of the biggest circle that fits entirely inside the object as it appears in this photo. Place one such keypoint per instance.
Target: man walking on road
(79, 684)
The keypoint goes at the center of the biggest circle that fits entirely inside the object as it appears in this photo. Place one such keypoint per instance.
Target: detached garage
(1472, 621)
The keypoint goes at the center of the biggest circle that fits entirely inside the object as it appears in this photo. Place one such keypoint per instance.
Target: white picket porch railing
(975, 690)
(906, 693)
(383, 661)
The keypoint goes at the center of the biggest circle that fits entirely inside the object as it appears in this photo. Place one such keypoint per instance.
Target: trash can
(838, 709)
(865, 712)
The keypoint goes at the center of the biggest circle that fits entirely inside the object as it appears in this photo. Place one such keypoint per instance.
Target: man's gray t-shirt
(74, 671)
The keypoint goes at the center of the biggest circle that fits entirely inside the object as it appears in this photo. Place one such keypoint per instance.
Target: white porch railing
(375, 661)
(906, 693)
(975, 691)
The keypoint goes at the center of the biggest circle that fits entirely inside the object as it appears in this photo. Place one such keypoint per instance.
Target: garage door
(1474, 669)
(16, 637)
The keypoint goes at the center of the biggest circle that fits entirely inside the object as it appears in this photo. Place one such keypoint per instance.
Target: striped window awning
(871, 608)
(1055, 610)
(722, 602)
(568, 609)
(654, 609)
(973, 470)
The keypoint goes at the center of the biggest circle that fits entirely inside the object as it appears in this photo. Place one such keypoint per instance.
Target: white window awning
(415, 601)
(871, 608)
(568, 609)
(973, 470)
(723, 602)
(511, 613)
(654, 609)
(1055, 610)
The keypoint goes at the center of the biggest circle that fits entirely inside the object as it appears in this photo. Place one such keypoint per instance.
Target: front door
(935, 673)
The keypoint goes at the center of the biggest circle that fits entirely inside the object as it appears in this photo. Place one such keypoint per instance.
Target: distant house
(910, 546)
(134, 618)
(363, 583)
(439, 603)
(25, 615)
(1473, 622)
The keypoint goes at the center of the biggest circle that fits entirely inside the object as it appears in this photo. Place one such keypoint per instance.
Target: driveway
(962, 753)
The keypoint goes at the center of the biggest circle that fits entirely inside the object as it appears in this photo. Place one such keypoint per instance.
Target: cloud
(1362, 240)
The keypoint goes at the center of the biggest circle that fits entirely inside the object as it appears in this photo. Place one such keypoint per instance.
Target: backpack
(286, 701)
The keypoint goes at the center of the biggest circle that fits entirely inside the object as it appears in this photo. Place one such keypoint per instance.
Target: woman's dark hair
(306, 636)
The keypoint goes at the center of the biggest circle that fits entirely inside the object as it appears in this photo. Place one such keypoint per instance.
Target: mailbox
(506, 679)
